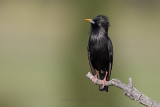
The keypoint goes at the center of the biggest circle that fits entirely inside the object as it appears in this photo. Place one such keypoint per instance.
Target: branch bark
(129, 90)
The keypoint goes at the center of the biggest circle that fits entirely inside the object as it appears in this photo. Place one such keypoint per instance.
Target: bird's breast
(98, 43)
(98, 48)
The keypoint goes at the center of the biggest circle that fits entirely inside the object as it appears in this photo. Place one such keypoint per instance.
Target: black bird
(100, 49)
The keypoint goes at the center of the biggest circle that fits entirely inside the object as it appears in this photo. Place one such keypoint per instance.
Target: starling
(100, 50)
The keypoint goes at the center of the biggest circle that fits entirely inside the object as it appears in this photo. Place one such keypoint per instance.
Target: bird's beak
(88, 20)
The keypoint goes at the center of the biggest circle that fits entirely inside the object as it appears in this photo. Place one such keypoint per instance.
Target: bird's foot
(103, 82)
(95, 77)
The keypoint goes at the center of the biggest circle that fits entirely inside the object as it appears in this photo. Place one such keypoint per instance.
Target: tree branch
(129, 90)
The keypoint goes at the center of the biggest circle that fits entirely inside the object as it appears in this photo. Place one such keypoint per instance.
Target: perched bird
(100, 50)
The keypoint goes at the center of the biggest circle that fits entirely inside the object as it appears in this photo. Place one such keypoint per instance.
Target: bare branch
(129, 90)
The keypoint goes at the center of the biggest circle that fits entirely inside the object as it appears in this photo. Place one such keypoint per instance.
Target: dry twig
(129, 91)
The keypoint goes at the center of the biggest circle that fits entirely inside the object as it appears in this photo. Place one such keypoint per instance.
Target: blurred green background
(43, 51)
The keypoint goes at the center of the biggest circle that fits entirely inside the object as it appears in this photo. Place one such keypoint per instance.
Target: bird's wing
(92, 69)
(110, 51)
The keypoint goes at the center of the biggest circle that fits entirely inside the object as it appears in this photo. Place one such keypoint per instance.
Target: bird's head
(99, 21)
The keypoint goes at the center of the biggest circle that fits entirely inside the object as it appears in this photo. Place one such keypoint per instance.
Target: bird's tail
(101, 88)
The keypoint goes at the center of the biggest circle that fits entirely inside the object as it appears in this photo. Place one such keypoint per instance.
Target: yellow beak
(88, 20)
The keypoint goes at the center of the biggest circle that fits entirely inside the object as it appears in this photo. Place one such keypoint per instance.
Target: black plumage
(100, 49)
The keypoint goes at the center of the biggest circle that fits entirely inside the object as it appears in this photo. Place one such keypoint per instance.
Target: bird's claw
(94, 78)
(103, 82)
